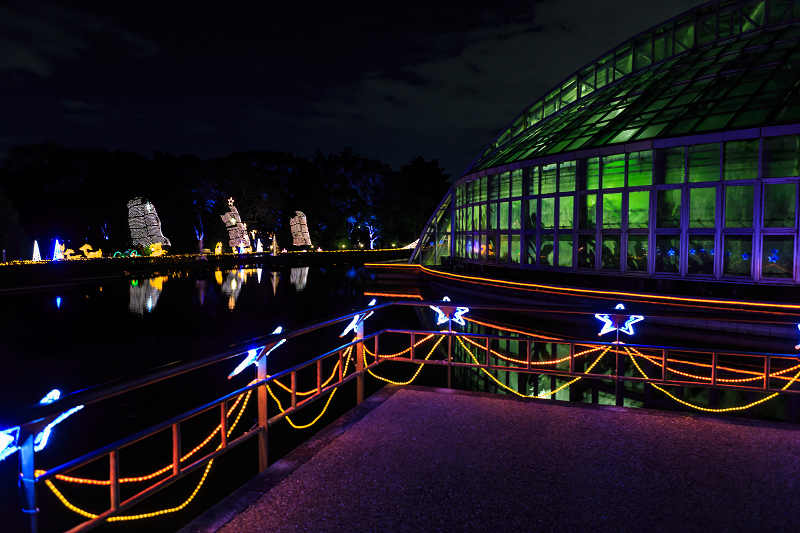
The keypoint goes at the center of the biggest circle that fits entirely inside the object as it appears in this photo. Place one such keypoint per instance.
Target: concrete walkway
(417, 459)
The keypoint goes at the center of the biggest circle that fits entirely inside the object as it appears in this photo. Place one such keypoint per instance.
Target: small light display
(144, 223)
(36, 255)
(237, 231)
(87, 251)
(612, 322)
(252, 354)
(358, 319)
(259, 248)
(58, 251)
(218, 248)
(447, 313)
(299, 228)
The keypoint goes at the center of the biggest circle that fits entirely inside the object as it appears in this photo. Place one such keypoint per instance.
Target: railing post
(360, 363)
(619, 385)
(294, 389)
(176, 448)
(413, 347)
(263, 416)
(766, 372)
(223, 424)
(113, 466)
(449, 359)
(319, 376)
(27, 485)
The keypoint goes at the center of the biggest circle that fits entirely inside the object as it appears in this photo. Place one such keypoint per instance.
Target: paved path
(433, 460)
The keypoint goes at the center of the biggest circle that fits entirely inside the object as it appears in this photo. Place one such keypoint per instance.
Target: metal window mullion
(757, 215)
(623, 249)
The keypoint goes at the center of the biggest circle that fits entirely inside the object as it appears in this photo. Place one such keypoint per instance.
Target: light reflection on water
(299, 278)
(144, 294)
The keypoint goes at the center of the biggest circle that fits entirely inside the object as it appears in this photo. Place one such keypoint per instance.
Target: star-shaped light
(774, 257)
(612, 322)
(358, 319)
(670, 252)
(446, 313)
(252, 354)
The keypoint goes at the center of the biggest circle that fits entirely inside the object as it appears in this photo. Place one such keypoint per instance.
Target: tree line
(80, 196)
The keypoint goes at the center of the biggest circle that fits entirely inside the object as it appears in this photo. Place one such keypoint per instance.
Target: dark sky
(390, 79)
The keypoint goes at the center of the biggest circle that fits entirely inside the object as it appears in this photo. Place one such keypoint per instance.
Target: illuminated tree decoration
(259, 248)
(447, 313)
(144, 223)
(612, 322)
(58, 252)
(274, 247)
(218, 248)
(358, 319)
(36, 255)
(237, 231)
(299, 227)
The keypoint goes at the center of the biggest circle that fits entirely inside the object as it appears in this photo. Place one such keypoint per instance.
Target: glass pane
(741, 160)
(640, 168)
(613, 171)
(670, 165)
(548, 183)
(566, 176)
(779, 205)
(490, 247)
(530, 249)
(565, 212)
(593, 173)
(587, 211)
(638, 209)
(484, 185)
(637, 253)
(472, 191)
(515, 248)
(739, 206)
(777, 256)
(738, 255)
(609, 260)
(781, 155)
(516, 215)
(546, 256)
(565, 250)
(586, 251)
(612, 211)
(483, 248)
(530, 218)
(701, 254)
(668, 208)
(704, 162)
(548, 213)
(492, 215)
(468, 250)
(482, 225)
(468, 219)
(503, 215)
(668, 253)
(505, 185)
(493, 187)
(702, 207)
(533, 181)
(516, 183)
(476, 216)
(503, 252)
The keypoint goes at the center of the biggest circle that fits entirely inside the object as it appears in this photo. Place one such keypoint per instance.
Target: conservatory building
(674, 155)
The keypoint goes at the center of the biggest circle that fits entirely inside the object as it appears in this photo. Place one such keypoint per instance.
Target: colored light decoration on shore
(252, 354)
(36, 255)
(237, 231)
(9, 438)
(58, 251)
(144, 223)
(259, 248)
(87, 251)
(612, 322)
(358, 319)
(299, 228)
(446, 313)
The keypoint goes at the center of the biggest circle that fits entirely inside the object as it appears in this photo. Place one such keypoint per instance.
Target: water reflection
(144, 294)
(275, 277)
(299, 278)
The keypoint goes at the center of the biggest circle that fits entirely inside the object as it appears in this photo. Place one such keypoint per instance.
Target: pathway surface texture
(427, 460)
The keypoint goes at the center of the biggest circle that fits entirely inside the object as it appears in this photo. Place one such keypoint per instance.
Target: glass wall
(723, 210)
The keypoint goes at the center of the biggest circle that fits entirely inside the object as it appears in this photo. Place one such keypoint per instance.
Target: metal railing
(670, 366)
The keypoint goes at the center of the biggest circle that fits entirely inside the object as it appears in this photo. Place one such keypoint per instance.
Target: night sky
(391, 79)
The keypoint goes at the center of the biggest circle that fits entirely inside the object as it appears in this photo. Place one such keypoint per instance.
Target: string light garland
(144, 223)
(299, 229)
(398, 354)
(419, 368)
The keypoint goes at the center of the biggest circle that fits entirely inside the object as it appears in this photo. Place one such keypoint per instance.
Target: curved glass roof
(724, 65)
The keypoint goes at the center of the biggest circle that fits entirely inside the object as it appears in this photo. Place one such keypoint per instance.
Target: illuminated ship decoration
(144, 223)
(299, 227)
(237, 231)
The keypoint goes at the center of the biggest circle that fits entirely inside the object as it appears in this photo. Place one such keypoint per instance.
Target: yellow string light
(398, 354)
(312, 391)
(122, 518)
(371, 373)
(706, 409)
(524, 362)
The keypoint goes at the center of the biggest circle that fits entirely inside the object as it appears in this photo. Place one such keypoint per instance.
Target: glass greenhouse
(675, 155)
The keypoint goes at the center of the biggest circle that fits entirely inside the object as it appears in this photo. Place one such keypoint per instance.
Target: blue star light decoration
(612, 322)
(358, 319)
(447, 313)
(9, 438)
(774, 257)
(252, 354)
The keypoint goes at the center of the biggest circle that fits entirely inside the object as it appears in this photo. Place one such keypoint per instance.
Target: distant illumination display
(144, 296)
(36, 255)
(144, 223)
(87, 251)
(218, 248)
(259, 248)
(58, 302)
(299, 228)
(58, 251)
(299, 278)
(237, 231)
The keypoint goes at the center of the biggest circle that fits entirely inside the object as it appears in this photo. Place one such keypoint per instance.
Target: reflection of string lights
(299, 278)
(144, 296)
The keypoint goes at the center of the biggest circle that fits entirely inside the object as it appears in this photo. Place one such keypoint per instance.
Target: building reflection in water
(299, 278)
(144, 294)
